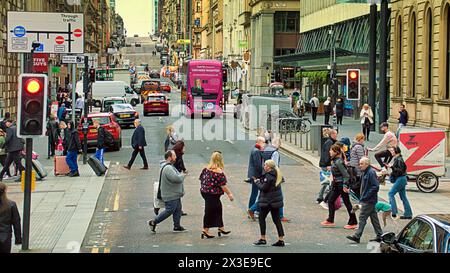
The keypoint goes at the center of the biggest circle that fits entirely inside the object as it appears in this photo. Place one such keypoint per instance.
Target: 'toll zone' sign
(40, 63)
(56, 32)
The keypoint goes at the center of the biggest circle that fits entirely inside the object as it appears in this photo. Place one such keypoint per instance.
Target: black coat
(101, 138)
(270, 196)
(255, 164)
(398, 168)
(73, 142)
(325, 160)
(179, 163)
(339, 108)
(53, 130)
(12, 142)
(138, 138)
(10, 219)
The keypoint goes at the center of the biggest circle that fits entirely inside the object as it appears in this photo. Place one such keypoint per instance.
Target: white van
(103, 89)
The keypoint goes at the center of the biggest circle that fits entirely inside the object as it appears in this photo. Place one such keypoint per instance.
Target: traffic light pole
(383, 62)
(373, 60)
(86, 109)
(27, 195)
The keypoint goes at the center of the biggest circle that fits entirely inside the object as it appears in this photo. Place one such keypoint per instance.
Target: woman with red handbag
(339, 188)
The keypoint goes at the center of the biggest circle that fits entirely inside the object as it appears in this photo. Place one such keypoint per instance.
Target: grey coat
(172, 187)
(356, 153)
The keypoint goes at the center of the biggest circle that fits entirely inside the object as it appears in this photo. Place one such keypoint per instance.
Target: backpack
(109, 139)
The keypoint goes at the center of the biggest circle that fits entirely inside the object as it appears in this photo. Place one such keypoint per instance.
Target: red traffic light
(353, 75)
(33, 86)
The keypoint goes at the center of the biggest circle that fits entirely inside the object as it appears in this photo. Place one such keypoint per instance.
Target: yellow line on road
(107, 250)
(116, 202)
(94, 250)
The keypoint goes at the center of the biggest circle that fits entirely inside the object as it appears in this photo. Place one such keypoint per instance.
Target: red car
(165, 87)
(156, 103)
(107, 121)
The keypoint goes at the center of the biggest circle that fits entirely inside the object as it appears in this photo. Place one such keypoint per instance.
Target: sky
(137, 15)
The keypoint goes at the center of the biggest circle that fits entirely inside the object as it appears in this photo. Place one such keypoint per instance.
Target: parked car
(423, 234)
(107, 121)
(109, 101)
(165, 87)
(156, 103)
(125, 114)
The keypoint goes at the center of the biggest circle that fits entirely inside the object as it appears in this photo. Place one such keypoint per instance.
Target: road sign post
(86, 109)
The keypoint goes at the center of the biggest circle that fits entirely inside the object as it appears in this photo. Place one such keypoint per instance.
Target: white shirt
(80, 103)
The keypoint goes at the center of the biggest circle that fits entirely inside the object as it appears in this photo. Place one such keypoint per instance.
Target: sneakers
(260, 242)
(251, 214)
(179, 229)
(152, 225)
(324, 205)
(395, 217)
(327, 224)
(353, 238)
(279, 244)
(351, 226)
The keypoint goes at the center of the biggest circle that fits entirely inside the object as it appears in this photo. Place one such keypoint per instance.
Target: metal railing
(291, 130)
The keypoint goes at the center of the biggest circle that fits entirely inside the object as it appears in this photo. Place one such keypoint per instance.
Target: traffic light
(272, 77)
(353, 84)
(32, 105)
(92, 75)
(225, 75)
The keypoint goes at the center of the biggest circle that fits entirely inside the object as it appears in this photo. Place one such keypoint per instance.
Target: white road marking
(155, 246)
(188, 245)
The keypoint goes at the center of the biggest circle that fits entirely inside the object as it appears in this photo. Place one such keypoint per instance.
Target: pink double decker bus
(204, 88)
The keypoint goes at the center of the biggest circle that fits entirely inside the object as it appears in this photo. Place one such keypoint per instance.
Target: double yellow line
(96, 250)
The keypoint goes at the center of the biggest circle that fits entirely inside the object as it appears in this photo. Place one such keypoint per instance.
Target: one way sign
(68, 59)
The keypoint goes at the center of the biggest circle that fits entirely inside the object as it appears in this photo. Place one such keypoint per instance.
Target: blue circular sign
(19, 31)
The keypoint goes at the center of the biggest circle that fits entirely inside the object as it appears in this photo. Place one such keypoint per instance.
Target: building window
(429, 53)
(199, 7)
(287, 21)
(447, 51)
(399, 56)
(413, 56)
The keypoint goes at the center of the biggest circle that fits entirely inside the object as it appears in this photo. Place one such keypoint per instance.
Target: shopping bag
(338, 203)
(325, 177)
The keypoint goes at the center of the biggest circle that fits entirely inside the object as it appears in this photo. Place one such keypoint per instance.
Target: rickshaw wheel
(427, 182)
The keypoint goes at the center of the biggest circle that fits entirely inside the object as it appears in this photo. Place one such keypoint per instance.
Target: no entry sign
(59, 40)
(77, 33)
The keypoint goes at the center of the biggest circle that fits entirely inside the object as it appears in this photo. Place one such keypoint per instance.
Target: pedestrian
(270, 200)
(179, 148)
(138, 143)
(3, 153)
(328, 110)
(68, 102)
(171, 138)
(64, 135)
(101, 141)
(3, 122)
(9, 220)
(356, 154)
(255, 169)
(62, 112)
(403, 118)
(80, 103)
(325, 161)
(398, 177)
(366, 116)
(368, 201)
(339, 111)
(339, 189)
(314, 101)
(52, 134)
(171, 190)
(73, 148)
(213, 186)
(389, 141)
(14, 147)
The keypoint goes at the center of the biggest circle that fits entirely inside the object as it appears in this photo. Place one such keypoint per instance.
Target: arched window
(412, 55)
(399, 56)
(429, 54)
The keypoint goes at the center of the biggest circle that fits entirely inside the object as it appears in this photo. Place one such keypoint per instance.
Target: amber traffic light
(353, 84)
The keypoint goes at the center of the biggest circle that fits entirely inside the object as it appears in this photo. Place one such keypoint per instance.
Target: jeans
(99, 155)
(174, 208)
(368, 211)
(10, 158)
(314, 113)
(386, 155)
(253, 195)
(327, 118)
(71, 160)
(255, 208)
(400, 188)
(366, 131)
(400, 125)
(276, 220)
(323, 188)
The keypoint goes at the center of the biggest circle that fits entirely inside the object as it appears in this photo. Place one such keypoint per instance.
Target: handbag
(338, 203)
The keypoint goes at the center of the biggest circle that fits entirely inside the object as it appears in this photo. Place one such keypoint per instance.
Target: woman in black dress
(213, 186)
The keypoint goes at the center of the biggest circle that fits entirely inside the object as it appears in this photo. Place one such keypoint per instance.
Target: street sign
(69, 59)
(56, 32)
(93, 60)
(40, 63)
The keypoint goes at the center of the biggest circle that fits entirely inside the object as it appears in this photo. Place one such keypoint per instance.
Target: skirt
(213, 211)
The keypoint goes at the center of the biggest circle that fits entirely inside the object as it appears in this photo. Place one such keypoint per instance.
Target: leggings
(336, 192)
(275, 217)
(366, 131)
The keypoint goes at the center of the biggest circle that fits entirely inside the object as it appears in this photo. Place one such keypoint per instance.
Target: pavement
(420, 202)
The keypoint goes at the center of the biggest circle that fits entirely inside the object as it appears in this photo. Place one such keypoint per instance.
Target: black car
(125, 114)
(423, 234)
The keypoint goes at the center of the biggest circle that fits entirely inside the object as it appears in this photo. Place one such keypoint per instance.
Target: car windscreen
(103, 120)
(122, 107)
(112, 102)
(156, 98)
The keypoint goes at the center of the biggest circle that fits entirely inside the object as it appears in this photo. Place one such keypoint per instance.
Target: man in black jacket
(138, 143)
(325, 161)
(14, 147)
(53, 135)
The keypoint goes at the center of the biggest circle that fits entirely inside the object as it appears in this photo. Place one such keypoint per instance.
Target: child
(379, 207)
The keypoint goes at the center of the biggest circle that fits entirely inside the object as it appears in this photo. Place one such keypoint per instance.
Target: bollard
(295, 138)
(301, 140)
(290, 136)
(307, 140)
